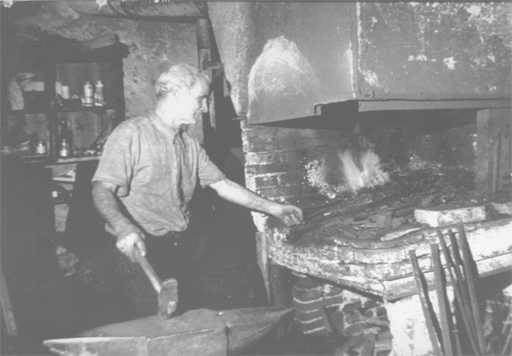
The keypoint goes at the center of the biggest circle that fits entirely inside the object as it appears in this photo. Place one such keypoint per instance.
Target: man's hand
(289, 215)
(129, 242)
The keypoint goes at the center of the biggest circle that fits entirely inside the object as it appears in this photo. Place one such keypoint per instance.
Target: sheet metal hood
(286, 61)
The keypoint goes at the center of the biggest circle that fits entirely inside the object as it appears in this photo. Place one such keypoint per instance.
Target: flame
(362, 170)
(350, 167)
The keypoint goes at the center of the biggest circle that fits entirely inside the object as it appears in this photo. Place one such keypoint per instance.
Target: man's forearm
(240, 195)
(107, 205)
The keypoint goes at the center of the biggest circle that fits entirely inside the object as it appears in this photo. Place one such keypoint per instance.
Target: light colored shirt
(156, 169)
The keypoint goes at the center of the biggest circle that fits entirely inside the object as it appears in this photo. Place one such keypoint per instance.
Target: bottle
(65, 92)
(98, 94)
(64, 148)
(88, 94)
(65, 138)
(41, 148)
(58, 89)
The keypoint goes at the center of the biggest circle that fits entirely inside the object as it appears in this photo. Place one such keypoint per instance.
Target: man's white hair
(181, 75)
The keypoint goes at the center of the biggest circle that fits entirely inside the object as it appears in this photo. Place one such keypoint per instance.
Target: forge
(370, 195)
(433, 129)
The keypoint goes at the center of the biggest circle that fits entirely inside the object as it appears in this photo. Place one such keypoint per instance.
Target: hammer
(167, 290)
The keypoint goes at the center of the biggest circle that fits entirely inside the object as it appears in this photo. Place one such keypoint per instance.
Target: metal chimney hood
(288, 61)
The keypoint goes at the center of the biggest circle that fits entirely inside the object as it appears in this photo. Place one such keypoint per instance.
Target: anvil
(196, 332)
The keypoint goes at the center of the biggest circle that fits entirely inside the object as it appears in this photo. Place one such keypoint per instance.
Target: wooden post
(483, 153)
(10, 322)
(493, 159)
(277, 285)
(204, 59)
(278, 292)
(262, 257)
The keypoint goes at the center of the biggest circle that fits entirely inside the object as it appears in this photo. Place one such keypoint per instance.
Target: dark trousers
(167, 254)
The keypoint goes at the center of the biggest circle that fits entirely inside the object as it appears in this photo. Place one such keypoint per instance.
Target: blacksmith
(147, 175)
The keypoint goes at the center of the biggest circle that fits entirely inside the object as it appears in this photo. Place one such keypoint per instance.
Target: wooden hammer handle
(148, 269)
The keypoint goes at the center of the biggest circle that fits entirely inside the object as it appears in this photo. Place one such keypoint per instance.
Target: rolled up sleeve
(118, 158)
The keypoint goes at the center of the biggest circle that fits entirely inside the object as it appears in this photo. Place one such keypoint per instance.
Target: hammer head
(168, 298)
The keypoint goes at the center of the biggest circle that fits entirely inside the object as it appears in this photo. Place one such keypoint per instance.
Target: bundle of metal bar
(423, 294)
(471, 274)
(462, 275)
(444, 311)
(460, 296)
(507, 325)
(464, 288)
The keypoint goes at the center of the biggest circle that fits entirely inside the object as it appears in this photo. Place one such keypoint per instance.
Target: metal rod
(422, 292)
(457, 265)
(470, 279)
(441, 298)
(507, 342)
(458, 347)
(458, 295)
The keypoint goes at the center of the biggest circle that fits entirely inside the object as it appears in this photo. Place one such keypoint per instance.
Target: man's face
(191, 104)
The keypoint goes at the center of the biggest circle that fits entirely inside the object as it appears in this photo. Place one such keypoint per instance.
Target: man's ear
(175, 90)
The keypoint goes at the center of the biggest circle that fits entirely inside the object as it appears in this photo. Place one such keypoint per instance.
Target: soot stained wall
(440, 137)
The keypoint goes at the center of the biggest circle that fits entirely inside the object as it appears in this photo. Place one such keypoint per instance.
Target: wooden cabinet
(59, 124)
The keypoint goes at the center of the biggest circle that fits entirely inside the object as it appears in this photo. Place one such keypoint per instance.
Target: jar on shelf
(65, 140)
(98, 94)
(88, 94)
(41, 148)
(64, 149)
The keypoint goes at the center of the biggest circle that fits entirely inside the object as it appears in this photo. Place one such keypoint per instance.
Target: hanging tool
(167, 290)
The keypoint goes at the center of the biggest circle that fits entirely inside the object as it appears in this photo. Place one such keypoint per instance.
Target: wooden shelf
(35, 158)
(28, 111)
(50, 161)
(71, 160)
(46, 114)
(80, 108)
